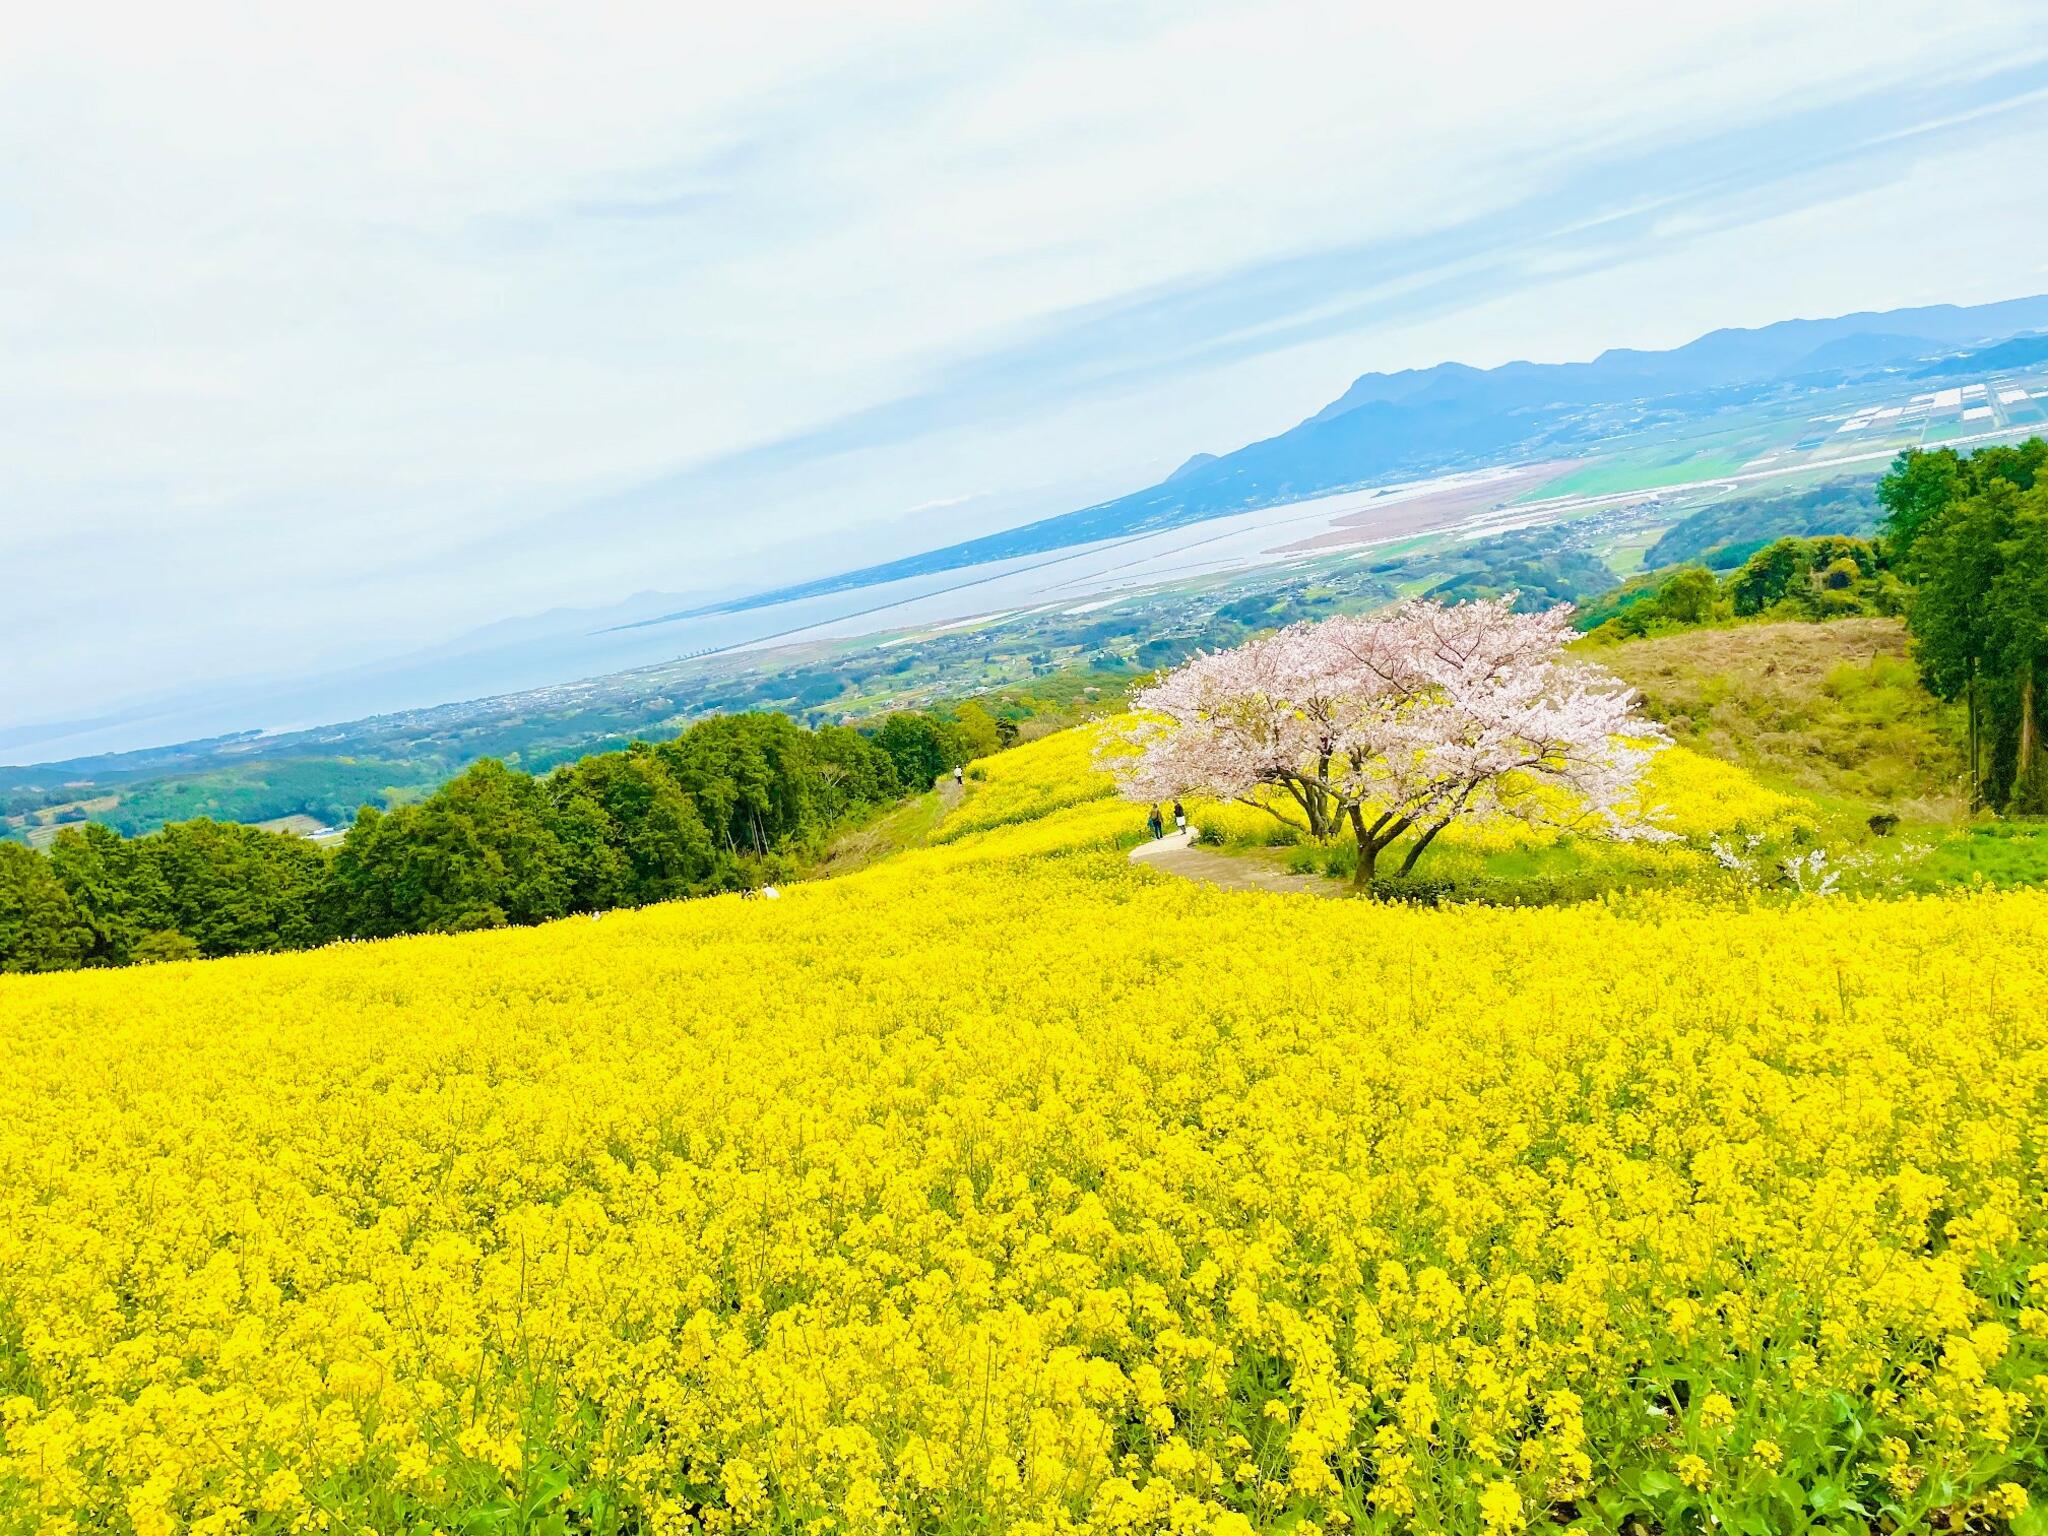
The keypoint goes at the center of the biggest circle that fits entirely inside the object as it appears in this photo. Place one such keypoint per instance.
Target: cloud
(330, 333)
(1598, 215)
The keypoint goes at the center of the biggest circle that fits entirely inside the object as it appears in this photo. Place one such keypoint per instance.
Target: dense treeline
(1790, 578)
(733, 801)
(1962, 553)
(1971, 534)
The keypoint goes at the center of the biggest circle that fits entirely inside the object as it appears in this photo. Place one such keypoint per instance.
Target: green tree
(484, 843)
(1767, 576)
(976, 728)
(236, 890)
(599, 874)
(750, 777)
(2017, 648)
(116, 884)
(1691, 597)
(1916, 490)
(729, 798)
(1954, 567)
(853, 773)
(1974, 557)
(920, 746)
(656, 833)
(40, 930)
(164, 944)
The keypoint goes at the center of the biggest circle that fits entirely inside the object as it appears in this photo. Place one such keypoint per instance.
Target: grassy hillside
(1004, 1186)
(1831, 709)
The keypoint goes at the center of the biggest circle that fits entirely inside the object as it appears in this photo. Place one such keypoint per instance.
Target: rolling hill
(1008, 1186)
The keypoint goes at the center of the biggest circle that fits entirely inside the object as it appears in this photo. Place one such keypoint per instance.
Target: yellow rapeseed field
(1005, 1187)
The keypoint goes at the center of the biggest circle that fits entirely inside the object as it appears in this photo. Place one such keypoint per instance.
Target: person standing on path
(1155, 824)
(1180, 817)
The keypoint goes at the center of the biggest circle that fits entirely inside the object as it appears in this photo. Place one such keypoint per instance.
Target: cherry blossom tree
(1398, 724)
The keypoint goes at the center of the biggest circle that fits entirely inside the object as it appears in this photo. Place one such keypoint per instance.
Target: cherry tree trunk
(1368, 865)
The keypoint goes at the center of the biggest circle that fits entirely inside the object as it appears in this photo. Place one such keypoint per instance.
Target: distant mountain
(2020, 352)
(1421, 421)
(1865, 349)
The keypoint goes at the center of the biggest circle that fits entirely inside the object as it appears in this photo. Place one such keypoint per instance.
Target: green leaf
(1788, 1492)
(543, 1489)
(487, 1518)
(1613, 1503)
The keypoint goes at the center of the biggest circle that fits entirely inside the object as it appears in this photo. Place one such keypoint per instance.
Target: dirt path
(909, 825)
(1174, 855)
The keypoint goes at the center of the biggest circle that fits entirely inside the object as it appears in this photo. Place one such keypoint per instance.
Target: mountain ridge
(1416, 421)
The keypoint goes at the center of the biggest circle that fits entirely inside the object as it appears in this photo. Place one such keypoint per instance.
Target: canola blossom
(1004, 1186)
(1685, 799)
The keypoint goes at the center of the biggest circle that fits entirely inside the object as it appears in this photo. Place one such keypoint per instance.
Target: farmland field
(1644, 471)
(1003, 1186)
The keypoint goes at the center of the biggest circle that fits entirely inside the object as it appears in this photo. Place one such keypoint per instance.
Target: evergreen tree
(40, 929)
(1976, 557)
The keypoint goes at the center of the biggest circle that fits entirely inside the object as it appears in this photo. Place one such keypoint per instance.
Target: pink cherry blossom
(1398, 724)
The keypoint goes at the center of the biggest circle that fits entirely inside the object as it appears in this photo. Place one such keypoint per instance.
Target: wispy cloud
(1588, 218)
(333, 333)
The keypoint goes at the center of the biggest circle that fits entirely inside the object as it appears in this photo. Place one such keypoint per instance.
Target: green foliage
(233, 889)
(1723, 535)
(1917, 489)
(1828, 577)
(225, 888)
(40, 929)
(920, 748)
(1690, 597)
(165, 944)
(1998, 853)
(754, 780)
(1682, 599)
(481, 851)
(1596, 612)
(978, 730)
(1973, 535)
(117, 885)
(732, 800)
(632, 833)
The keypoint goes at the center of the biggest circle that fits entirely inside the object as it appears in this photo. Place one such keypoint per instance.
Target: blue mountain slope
(1421, 420)
(2020, 352)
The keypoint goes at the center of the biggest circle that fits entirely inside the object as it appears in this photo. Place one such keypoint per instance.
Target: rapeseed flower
(1007, 1185)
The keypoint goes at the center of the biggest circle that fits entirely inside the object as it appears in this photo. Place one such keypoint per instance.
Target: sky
(331, 333)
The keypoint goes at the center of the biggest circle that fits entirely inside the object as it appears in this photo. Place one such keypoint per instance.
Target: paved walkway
(1175, 855)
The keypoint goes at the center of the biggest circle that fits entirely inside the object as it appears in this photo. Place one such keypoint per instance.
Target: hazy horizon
(320, 355)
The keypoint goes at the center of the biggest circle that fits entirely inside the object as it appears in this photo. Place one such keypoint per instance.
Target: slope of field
(1005, 1187)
